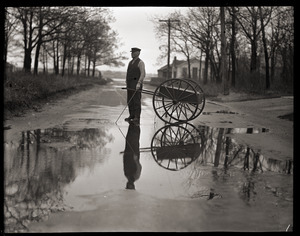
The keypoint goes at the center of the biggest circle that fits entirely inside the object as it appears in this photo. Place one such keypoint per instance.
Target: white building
(179, 69)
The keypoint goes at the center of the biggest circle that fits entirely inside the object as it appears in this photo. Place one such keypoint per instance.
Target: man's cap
(135, 50)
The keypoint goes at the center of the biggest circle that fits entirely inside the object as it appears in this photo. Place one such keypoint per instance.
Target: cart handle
(141, 91)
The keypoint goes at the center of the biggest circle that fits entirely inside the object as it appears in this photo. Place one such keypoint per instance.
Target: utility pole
(169, 33)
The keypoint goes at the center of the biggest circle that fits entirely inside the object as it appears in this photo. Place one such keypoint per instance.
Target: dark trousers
(134, 100)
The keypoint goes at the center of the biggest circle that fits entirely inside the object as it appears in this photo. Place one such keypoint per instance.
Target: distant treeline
(73, 40)
(121, 74)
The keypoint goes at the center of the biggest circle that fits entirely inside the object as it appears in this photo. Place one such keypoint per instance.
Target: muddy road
(65, 167)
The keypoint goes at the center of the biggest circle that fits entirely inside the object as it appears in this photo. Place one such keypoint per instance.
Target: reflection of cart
(176, 146)
(177, 100)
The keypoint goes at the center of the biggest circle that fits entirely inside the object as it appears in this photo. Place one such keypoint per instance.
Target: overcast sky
(136, 30)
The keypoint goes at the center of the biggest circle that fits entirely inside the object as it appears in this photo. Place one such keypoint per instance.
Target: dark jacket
(133, 74)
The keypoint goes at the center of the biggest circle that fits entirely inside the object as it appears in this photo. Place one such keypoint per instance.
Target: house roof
(177, 62)
(164, 67)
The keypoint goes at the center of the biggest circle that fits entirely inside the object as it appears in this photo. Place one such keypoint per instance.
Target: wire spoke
(169, 104)
(185, 111)
(188, 107)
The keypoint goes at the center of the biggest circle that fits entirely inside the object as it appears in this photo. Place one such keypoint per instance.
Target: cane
(126, 106)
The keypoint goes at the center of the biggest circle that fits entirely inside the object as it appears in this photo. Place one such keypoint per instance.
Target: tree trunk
(57, 59)
(28, 31)
(85, 65)
(44, 61)
(27, 60)
(78, 64)
(224, 63)
(265, 49)
(94, 68)
(232, 46)
(189, 67)
(214, 73)
(206, 67)
(284, 71)
(273, 64)
(72, 65)
(200, 66)
(89, 64)
(64, 60)
(39, 43)
(36, 59)
(253, 63)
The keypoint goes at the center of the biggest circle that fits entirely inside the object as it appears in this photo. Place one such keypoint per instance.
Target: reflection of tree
(36, 172)
(221, 150)
(219, 147)
(247, 189)
(86, 138)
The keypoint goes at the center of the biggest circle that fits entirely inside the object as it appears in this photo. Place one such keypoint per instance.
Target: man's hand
(139, 85)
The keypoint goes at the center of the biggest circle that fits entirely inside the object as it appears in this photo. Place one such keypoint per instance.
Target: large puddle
(57, 169)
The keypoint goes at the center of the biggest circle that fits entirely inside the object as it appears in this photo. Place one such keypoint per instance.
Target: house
(162, 72)
(179, 69)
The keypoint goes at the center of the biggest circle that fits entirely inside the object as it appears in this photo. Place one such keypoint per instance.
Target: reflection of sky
(98, 172)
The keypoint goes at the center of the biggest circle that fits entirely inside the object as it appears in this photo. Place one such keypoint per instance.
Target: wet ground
(205, 175)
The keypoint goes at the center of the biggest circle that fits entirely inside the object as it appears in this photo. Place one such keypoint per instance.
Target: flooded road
(79, 176)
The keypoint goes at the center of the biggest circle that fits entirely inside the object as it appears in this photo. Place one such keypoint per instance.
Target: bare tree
(203, 26)
(50, 20)
(248, 19)
(287, 45)
(224, 64)
(26, 16)
(265, 13)
(65, 33)
(232, 12)
(10, 24)
(181, 41)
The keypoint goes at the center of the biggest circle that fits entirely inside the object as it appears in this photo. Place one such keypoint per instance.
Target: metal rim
(199, 91)
(169, 105)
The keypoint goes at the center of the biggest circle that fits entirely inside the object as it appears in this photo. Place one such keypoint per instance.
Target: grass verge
(23, 92)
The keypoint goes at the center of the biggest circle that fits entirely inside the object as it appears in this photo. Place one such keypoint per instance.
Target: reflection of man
(134, 81)
(131, 157)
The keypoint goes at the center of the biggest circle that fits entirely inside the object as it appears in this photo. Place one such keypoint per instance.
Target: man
(134, 83)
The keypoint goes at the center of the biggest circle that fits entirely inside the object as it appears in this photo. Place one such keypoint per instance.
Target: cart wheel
(175, 99)
(201, 98)
(174, 147)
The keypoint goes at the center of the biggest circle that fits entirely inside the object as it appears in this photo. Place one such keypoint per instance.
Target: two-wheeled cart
(177, 100)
